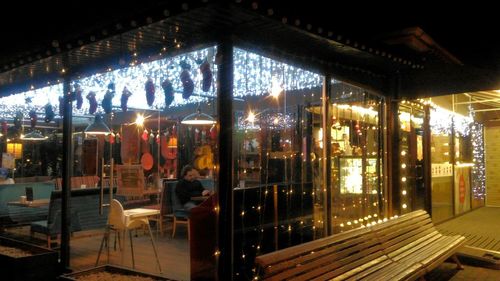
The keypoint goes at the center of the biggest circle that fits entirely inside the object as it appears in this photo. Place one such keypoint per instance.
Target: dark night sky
(470, 30)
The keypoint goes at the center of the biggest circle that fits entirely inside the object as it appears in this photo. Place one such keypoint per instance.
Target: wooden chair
(179, 214)
(119, 222)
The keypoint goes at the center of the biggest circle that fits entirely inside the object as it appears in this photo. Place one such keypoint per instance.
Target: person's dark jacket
(187, 189)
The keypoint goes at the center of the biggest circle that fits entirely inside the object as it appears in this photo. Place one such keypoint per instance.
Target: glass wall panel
(356, 130)
(410, 187)
(278, 150)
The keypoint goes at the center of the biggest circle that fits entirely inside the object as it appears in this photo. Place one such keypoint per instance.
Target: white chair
(120, 223)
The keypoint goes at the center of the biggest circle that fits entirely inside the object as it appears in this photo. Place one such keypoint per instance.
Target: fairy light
(479, 169)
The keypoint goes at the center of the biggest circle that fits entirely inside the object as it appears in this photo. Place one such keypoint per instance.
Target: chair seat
(41, 227)
(181, 213)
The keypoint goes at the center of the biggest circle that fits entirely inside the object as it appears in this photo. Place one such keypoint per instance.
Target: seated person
(4, 177)
(188, 187)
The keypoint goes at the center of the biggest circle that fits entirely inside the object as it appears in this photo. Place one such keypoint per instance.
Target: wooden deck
(480, 227)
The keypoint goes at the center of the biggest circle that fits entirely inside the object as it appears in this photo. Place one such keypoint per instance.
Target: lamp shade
(98, 127)
(198, 118)
(34, 135)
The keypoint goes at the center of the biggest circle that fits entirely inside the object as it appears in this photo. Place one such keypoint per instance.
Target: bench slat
(403, 248)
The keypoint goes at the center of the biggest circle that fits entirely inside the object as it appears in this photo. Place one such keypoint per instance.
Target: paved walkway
(481, 227)
(448, 271)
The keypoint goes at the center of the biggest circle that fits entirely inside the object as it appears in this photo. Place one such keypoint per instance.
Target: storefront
(294, 148)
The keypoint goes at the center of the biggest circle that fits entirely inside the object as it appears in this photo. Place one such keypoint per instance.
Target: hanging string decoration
(206, 72)
(150, 91)
(78, 96)
(33, 118)
(187, 82)
(18, 120)
(168, 90)
(92, 102)
(124, 98)
(479, 169)
(4, 127)
(107, 101)
(49, 113)
(61, 106)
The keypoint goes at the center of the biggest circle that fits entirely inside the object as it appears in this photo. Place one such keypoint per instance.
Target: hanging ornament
(107, 101)
(196, 135)
(174, 131)
(158, 138)
(187, 82)
(213, 133)
(206, 72)
(118, 138)
(124, 98)
(151, 138)
(145, 135)
(92, 102)
(61, 106)
(168, 90)
(5, 127)
(49, 113)
(78, 96)
(150, 91)
(111, 138)
(18, 120)
(33, 118)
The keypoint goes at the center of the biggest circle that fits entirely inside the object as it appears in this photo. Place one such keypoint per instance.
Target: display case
(249, 158)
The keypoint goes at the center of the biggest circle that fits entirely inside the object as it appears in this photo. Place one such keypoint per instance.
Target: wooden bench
(403, 248)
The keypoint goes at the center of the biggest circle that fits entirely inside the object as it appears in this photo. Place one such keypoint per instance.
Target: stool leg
(104, 238)
(154, 247)
(173, 227)
(131, 248)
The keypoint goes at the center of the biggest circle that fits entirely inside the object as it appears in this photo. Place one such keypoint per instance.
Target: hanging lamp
(98, 127)
(198, 118)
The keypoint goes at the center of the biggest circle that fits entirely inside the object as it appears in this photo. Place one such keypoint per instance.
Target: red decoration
(92, 102)
(124, 98)
(5, 127)
(145, 135)
(78, 96)
(168, 90)
(33, 118)
(187, 82)
(206, 72)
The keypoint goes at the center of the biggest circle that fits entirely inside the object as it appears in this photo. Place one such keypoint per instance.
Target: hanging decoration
(187, 82)
(78, 96)
(61, 106)
(206, 72)
(150, 91)
(33, 118)
(107, 101)
(124, 98)
(4, 127)
(49, 113)
(18, 120)
(145, 135)
(92, 102)
(168, 90)
(479, 169)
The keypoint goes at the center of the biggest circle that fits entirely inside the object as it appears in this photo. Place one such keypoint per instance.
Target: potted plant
(110, 273)
(23, 261)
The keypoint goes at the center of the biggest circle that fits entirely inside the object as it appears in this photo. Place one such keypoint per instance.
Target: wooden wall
(492, 158)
